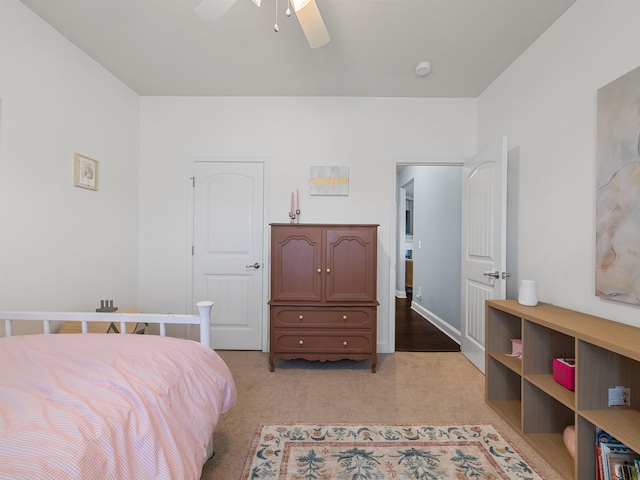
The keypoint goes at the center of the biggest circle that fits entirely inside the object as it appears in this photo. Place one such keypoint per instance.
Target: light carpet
(341, 452)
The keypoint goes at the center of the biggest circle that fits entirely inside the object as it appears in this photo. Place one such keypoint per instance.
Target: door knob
(492, 273)
(255, 265)
(496, 274)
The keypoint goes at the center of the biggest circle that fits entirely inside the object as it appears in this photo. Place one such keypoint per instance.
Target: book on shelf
(629, 472)
(615, 460)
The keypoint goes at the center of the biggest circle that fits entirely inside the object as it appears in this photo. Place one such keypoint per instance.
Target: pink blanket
(91, 406)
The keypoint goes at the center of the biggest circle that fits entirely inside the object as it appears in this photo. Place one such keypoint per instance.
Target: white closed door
(228, 238)
(484, 226)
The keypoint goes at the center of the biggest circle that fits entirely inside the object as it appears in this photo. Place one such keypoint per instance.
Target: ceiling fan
(306, 10)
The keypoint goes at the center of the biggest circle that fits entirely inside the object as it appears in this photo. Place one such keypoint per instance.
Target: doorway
(427, 283)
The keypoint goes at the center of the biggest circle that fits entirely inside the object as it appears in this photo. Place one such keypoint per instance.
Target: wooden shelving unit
(524, 393)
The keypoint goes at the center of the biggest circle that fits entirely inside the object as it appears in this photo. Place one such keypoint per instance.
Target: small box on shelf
(516, 348)
(564, 372)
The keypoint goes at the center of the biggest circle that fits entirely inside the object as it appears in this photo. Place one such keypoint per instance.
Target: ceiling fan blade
(212, 10)
(311, 22)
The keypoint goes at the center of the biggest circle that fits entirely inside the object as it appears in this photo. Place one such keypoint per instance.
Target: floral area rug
(383, 452)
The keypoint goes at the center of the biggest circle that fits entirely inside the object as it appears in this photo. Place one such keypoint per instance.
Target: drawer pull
(301, 342)
(301, 317)
(344, 317)
(344, 343)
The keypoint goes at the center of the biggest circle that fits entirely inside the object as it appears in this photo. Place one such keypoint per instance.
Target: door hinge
(193, 250)
(193, 181)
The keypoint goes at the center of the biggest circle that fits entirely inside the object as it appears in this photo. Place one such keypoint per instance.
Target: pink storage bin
(564, 372)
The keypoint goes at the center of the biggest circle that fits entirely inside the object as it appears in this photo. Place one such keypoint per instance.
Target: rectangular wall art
(329, 181)
(85, 172)
(618, 190)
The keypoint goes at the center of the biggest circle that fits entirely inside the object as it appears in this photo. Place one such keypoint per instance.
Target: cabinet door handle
(328, 270)
(301, 342)
(344, 343)
(319, 270)
(301, 317)
(344, 317)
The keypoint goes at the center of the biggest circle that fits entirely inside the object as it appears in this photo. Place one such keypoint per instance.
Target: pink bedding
(92, 406)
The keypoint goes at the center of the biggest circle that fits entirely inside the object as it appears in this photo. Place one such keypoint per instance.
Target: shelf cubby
(503, 330)
(544, 344)
(504, 394)
(551, 447)
(544, 414)
(526, 395)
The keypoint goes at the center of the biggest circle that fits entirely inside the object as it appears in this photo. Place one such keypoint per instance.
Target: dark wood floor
(415, 334)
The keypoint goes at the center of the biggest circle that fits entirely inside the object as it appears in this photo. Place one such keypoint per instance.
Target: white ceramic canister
(527, 295)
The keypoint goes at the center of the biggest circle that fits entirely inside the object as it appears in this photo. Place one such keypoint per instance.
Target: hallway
(416, 334)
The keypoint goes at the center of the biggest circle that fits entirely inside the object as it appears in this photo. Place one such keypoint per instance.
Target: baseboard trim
(437, 322)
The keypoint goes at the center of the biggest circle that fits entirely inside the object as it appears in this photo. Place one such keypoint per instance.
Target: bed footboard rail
(202, 319)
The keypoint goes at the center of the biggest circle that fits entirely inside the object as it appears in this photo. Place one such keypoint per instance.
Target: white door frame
(393, 244)
(267, 238)
(401, 222)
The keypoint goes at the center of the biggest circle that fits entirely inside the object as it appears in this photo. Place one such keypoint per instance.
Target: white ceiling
(161, 47)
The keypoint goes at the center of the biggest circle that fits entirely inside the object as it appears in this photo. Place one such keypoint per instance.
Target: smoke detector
(423, 68)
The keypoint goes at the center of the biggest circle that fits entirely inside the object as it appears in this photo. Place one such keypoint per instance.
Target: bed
(109, 406)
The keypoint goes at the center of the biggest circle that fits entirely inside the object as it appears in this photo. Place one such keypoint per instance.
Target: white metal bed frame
(202, 319)
(122, 318)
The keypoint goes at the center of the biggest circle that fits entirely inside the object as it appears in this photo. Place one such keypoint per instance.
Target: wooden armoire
(323, 292)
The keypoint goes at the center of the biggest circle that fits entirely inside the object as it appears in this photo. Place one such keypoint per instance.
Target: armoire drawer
(285, 341)
(325, 317)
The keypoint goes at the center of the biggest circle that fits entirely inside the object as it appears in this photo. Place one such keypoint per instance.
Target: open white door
(484, 230)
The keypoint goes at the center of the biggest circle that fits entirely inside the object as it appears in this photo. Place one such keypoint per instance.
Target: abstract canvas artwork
(618, 190)
(329, 181)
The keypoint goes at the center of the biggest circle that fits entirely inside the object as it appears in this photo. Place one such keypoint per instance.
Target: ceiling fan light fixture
(311, 22)
(213, 10)
(299, 4)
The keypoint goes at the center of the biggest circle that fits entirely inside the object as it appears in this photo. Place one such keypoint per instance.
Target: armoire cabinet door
(296, 257)
(349, 265)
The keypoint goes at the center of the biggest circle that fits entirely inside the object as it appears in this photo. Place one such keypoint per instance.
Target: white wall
(63, 247)
(294, 133)
(546, 104)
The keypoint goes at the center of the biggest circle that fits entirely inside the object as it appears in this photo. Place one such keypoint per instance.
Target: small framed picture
(85, 172)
